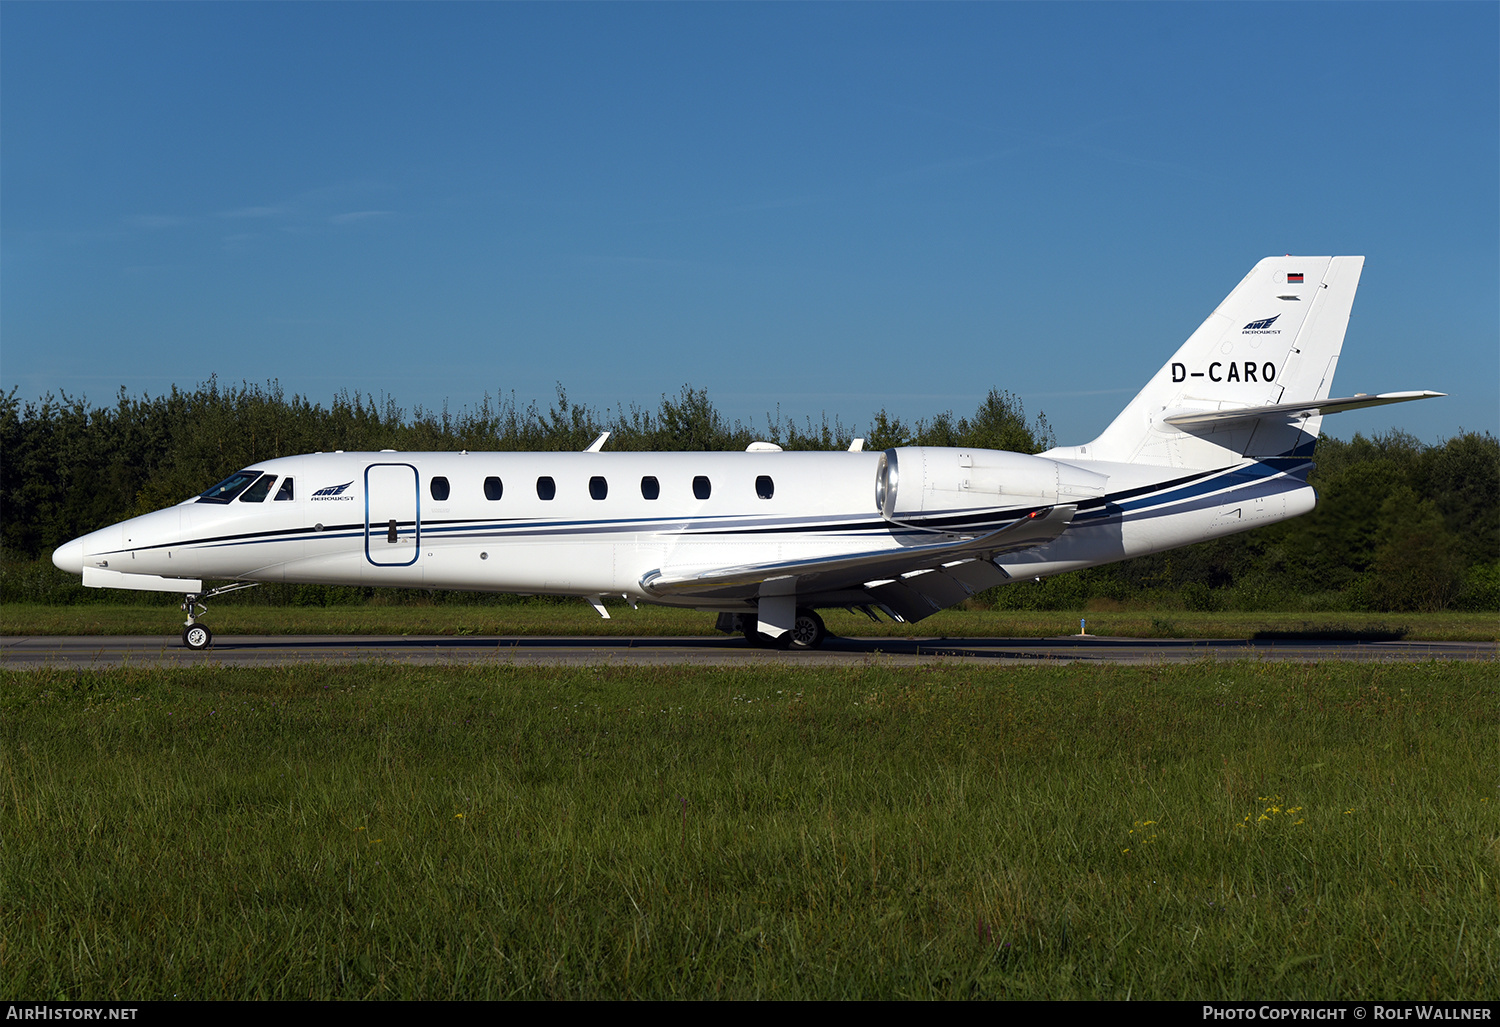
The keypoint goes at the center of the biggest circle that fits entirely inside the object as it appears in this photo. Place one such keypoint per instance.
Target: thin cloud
(357, 215)
(944, 117)
(1076, 139)
(1085, 392)
(256, 212)
(155, 222)
(782, 204)
(629, 261)
(1170, 167)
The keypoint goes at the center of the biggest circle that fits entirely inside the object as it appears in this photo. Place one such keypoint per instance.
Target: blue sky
(815, 208)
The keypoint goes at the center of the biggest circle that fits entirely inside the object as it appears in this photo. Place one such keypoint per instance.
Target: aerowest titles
(333, 493)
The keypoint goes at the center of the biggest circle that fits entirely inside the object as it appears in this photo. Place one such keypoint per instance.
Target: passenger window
(546, 488)
(650, 488)
(258, 492)
(701, 487)
(493, 489)
(598, 487)
(765, 488)
(284, 493)
(439, 489)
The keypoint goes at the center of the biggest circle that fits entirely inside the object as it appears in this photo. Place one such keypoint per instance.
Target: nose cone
(69, 557)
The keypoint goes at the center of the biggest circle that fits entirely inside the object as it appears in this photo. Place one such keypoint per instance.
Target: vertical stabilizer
(1275, 339)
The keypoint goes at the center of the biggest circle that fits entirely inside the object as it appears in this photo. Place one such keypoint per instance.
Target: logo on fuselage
(333, 492)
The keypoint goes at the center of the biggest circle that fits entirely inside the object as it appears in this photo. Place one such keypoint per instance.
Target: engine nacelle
(918, 481)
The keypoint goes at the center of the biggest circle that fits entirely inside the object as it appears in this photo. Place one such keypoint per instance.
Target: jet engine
(917, 482)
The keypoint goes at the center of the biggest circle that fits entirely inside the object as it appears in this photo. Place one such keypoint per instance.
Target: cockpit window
(284, 493)
(258, 492)
(230, 487)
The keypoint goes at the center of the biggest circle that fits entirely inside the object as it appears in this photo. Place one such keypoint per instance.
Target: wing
(913, 581)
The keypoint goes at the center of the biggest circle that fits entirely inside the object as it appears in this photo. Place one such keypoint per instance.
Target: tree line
(1400, 525)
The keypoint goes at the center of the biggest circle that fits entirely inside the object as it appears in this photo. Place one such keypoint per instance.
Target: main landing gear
(198, 636)
(807, 631)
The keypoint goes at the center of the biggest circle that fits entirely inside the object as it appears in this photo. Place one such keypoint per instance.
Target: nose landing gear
(197, 636)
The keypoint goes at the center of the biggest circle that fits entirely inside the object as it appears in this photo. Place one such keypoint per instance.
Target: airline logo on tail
(1261, 327)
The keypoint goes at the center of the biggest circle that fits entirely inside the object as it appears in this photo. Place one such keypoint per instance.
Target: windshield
(229, 487)
(258, 492)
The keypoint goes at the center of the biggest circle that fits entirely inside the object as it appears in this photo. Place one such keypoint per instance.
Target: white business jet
(1220, 440)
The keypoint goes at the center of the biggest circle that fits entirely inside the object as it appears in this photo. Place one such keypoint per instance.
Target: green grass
(550, 618)
(1213, 831)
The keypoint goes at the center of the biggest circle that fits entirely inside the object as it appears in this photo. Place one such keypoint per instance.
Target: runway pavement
(21, 653)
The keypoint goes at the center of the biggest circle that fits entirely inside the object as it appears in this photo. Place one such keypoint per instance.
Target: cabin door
(393, 517)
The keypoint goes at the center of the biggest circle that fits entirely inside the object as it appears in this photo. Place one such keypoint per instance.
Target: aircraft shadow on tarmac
(1065, 647)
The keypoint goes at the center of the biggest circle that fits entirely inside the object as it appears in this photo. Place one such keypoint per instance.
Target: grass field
(227, 618)
(1211, 831)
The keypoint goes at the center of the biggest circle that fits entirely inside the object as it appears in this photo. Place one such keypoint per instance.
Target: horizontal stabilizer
(836, 572)
(1293, 411)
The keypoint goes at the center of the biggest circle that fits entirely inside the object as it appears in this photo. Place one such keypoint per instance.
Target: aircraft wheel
(197, 636)
(759, 640)
(807, 631)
